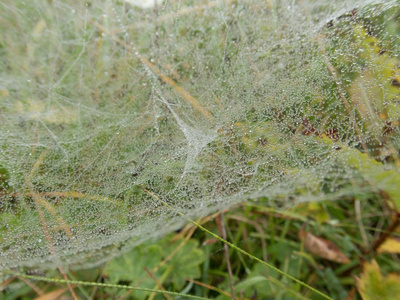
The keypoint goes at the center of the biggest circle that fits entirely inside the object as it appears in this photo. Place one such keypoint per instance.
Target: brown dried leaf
(210, 242)
(323, 248)
(53, 295)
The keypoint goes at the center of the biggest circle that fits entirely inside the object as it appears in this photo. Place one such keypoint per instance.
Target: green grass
(284, 251)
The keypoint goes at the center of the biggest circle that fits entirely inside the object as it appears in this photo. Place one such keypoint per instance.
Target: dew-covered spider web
(107, 107)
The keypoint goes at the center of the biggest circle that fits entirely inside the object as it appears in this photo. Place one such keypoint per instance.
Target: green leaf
(130, 267)
(185, 264)
(255, 283)
(258, 281)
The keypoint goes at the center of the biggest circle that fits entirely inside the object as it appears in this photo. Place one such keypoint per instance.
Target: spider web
(205, 104)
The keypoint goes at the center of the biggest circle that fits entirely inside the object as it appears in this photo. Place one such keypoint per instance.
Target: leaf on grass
(322, 247)
(249, 285)
(315, 210)
(260, 281)
(130, 267)
(391, 245)
(210, 242)
(185, 264)
(372, 285)
(53, 295)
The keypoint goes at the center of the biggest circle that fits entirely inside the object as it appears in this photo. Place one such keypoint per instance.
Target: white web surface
(205, 104)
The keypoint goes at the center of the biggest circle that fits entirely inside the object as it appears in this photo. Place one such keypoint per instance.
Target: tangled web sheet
(202, 103)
